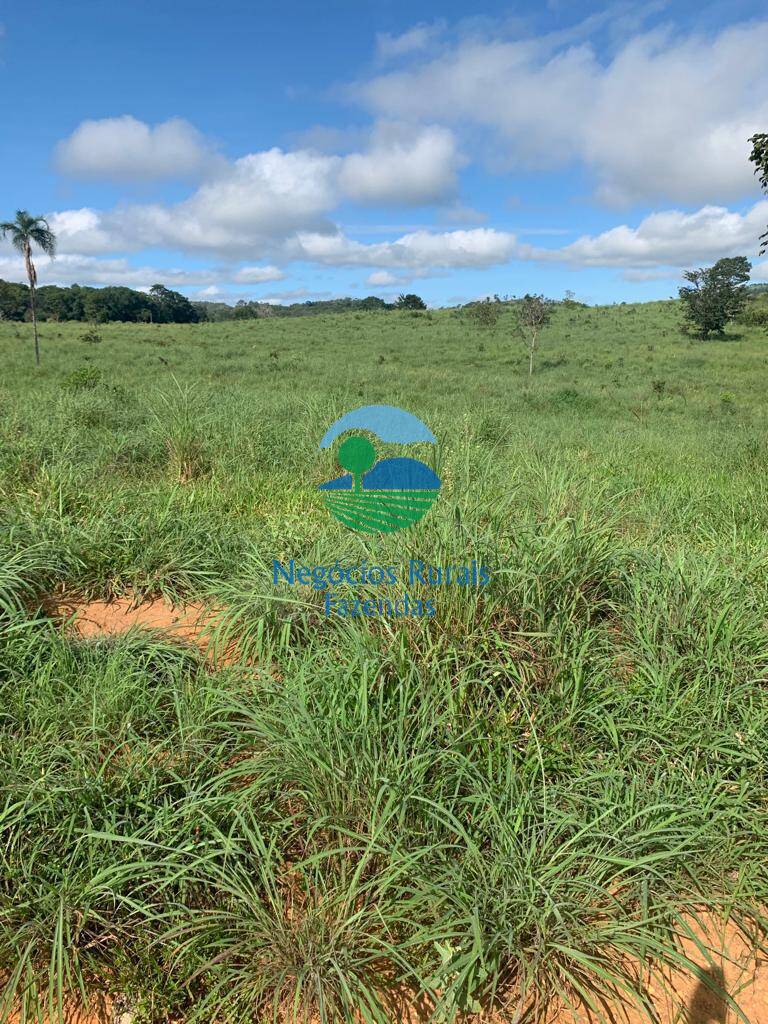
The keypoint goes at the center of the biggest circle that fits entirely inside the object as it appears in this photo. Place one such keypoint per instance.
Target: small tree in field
(715, 294)
(534, 313)
(759, 157)
(26, 231)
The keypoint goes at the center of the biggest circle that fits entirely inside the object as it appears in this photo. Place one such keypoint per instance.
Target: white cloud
(85, 269)
(264, 192)
(417, 38)
(126, 149)
(381, 279)
(257, 275)
(249, 208)
(666, 117)
(211, 293)
(669, 238)
(245, 211)
(83, 231)
(73, 268)
(385, 279)
(402, 166)
(479, 247)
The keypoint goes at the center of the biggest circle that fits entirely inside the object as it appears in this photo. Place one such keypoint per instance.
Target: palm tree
(25, 231)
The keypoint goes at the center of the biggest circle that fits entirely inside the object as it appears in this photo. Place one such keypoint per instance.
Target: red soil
(99, 618)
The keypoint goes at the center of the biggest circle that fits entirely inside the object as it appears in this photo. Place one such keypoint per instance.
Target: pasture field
(520, 802)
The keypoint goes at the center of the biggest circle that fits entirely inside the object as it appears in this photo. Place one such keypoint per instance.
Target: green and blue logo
(385, 495)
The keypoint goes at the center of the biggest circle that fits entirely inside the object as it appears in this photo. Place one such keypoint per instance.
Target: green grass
(500, 802)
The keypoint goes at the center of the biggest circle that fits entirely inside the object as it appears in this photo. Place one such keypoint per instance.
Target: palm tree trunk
(34, 323)
(32, 275)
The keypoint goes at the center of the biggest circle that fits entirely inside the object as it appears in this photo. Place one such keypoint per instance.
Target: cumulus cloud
(211, 293)
(382, 279)
(126, 149)
(666, 117)
(251, 206)
(670, 238)
(83, 231)
(261, 195)
(386, 279)
(257, 275)
(479, 247)
(256, 201)
(73, 268)
(402, 166)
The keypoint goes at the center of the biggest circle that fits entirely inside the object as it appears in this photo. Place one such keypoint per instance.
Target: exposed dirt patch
(94, 618)
(102, 1012)
(187, 623)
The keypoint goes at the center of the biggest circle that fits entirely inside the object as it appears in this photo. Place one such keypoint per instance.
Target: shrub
(755, 314)
(84, 378)
(484, 314)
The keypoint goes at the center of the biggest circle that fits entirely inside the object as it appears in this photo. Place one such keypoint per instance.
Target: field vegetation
(524, 799)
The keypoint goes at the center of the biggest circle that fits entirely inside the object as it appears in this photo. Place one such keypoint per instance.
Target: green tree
(14, 300)
(759, 157)
(410, 301)
(55, 303)
(371, 302)
(116, 303)
(715, 294)
(356, 455)
(534, 313)
(171, 307)
(26, 231)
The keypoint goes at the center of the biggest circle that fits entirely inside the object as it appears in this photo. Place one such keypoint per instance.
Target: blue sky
(298, 150)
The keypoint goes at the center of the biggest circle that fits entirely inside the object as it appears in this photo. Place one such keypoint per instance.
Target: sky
(283, 151)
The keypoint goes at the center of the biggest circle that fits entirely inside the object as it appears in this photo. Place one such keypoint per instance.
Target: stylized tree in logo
(356, 455)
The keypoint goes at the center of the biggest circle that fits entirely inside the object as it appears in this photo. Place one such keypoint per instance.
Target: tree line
(97, 305)
(255, 310)
(164, 306)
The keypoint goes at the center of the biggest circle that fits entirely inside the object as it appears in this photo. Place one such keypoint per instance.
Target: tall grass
(528, 798)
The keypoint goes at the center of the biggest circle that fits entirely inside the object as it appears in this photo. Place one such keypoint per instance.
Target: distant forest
(164, 306)
(158, 305)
